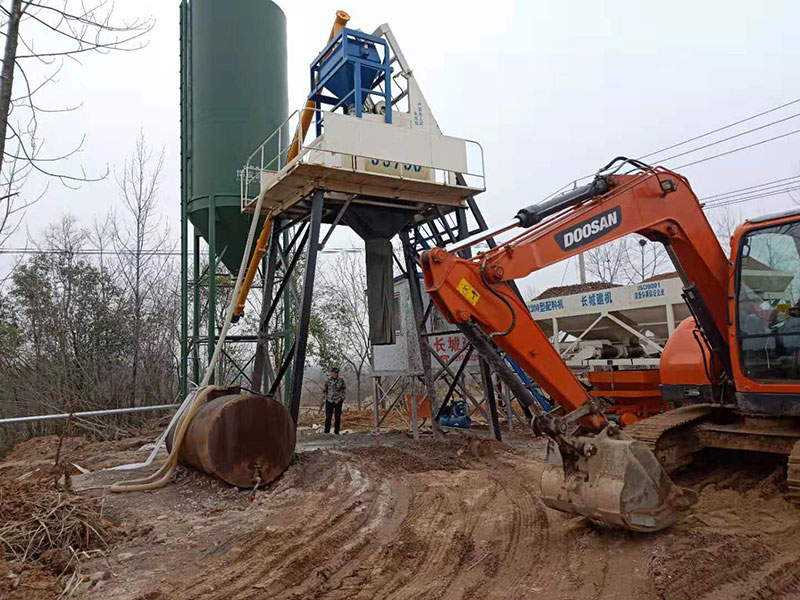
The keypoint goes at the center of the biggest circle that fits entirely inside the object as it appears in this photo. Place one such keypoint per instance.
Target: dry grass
(43, 523)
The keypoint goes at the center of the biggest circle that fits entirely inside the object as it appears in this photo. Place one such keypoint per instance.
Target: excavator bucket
(619, 482)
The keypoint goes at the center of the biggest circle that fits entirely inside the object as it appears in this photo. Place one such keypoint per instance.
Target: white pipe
(193, 396)
(87, 413)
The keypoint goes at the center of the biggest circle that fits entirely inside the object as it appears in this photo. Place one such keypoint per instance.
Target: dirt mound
(743, 472)
(433, 455)
(24, 582)
(401, 521)
(700, 563)
(89, 454)
(354, 420)
(742, 542)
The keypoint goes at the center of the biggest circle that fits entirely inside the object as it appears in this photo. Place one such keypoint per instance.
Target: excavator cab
(767, 312)
(764, 334)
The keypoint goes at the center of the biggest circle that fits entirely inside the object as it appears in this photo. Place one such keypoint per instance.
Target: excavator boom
(604, 474)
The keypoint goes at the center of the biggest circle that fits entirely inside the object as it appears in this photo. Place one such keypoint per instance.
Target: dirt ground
(384, 516)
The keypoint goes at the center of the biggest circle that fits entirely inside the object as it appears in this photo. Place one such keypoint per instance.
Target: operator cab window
(768, 302)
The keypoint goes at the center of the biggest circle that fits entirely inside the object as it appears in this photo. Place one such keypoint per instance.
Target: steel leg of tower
(304, 317)
(415, 292)
(399, 396)
(441, 231)
(282, 370)
(212, 279)
(454, 383)
(446, 371)
(382, 395)
(262, 377)
(494, 421)
(196, 310)
(239, 370)
(288, 271)
(184, 356)
(283, 255)
(376, 410)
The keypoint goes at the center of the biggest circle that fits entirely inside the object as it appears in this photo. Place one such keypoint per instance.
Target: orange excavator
(732, 369)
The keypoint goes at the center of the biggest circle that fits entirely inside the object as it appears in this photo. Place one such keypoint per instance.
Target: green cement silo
(234, 95)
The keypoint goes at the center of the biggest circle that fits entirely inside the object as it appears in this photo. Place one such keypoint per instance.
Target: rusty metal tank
(239, 438)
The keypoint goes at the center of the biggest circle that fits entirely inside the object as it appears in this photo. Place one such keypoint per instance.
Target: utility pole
(582, 268)
(642, 244)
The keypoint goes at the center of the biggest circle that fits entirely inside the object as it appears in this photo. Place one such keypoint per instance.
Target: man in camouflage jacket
(334, 393)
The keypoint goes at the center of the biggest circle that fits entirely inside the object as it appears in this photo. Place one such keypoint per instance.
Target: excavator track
(793, 474)
(666, 437)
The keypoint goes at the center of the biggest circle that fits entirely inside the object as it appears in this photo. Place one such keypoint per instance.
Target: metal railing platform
(358, 177)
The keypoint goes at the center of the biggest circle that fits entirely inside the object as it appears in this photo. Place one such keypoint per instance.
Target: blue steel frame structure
(335, 57)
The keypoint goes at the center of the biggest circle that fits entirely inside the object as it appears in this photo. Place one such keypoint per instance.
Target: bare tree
(342, 300)
(724, 220)
(529, 290)
(46, 34)
(607, 262)
(71, 336)
(141, 243)
(643, 259)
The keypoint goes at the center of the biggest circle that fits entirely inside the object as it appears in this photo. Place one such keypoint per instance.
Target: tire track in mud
(600, 586)
(333, 543)
(779, 581)
(526, 537)
(490, 547)
(734, 569)
(403, 523)
(276, 564)
(452, 533)
(462, 519)
(345, 576)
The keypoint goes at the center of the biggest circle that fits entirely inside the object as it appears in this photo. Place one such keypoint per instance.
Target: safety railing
(271, 157)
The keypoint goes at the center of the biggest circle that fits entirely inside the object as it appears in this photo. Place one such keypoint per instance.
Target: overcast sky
(551, 89)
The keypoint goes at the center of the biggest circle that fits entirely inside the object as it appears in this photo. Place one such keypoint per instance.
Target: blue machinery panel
(350, 67)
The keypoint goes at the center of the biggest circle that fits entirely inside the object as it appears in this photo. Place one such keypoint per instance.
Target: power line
(771, 188)
(702, 135)
(717, 130)
(702, 160)
(98, 252)
(87, 252)
(753, 197)
(750, 198)
(729, 138)
(752, 187)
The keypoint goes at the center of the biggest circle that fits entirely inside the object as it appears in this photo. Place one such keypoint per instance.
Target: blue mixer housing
(340, 78)
(350, 68)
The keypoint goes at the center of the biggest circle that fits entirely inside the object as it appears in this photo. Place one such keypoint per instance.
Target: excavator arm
(605, 475)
